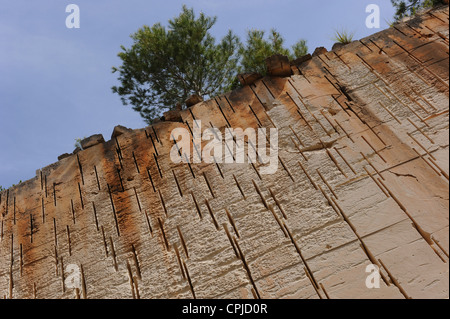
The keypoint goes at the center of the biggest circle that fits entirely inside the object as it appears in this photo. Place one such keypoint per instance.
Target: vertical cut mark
(286, 169)
(180, 263)
(197, 206)
(220, 171)
(96, 176)
(221, 111)
(426, 162)
(156, 136)
(189, 164)
(151, 180)
(257, 119)
(231, 220)
(148, 223)
(31, 228)
(63, 277)
(54, 195)
(330, 201)
(421, 131)
(113, 211)
(45, 185)
(324, 291)
(257, 97)
(56, 260)
(260, 195)
(183, 243)
(439, 168)
(105, 245)
(421, 146)
(120, 179)
(193, 116)
(328, 120)
(80, 167)
(161, 227)
(373, 148)
(345, 160)
(247, 269)
(299, 149)
(43, 211)
(153, 143)
(370, 163)
(73, 211)
(135, 163)
(81, 196)
(267, 87)
(307, 175)
(209, 185)
(95, 216)
(326, 183)
(21, 259)
(239, 186)
(178, 184)
(376, 182)
(157, 165)
(83, 283)
(163, 203)
(348, 136)
(311, 275)
(189, 280)
(394, 281)
(113, 253)
(256, 171)
(69, 242)
(231, 106)
(212, 214)
(296, 135)
(278, 203)
(136, 261)
(278, 220)
(55, 233)
(336, 163)
(137, 199)
(230, 239)
(14, 211)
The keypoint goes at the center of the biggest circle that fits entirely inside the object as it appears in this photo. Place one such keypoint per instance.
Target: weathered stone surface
(92, 141)
(362, 179)
(193, 99)
(249, 78)
(301, 60)
(278, 65)
(337, 46)
(319, 51)
(63, 156)
(173, 116)
(119, 130)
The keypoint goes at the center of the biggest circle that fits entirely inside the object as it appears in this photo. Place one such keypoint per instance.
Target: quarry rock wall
(362, 179)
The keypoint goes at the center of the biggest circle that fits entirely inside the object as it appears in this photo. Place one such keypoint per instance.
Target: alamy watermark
(73, 279)
(373, 279)
(73, 19)
(373, 19)
(228, 148)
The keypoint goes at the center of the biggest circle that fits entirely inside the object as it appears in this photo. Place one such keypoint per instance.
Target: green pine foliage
(165, 66)
(257, 48)
(406, 8)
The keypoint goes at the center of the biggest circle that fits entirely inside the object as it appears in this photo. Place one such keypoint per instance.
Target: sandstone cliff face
(362, 179)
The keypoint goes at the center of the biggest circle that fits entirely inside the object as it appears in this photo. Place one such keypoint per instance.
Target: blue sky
(55, 83)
